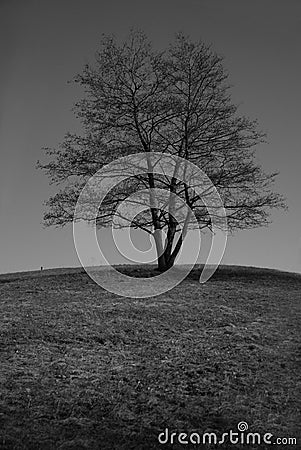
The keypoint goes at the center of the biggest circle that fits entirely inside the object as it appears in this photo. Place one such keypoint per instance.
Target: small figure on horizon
(41, 268)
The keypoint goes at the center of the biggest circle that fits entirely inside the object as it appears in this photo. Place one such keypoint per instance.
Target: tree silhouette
(174, 102)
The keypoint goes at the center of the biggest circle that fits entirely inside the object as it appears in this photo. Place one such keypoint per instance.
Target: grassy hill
(82, 368)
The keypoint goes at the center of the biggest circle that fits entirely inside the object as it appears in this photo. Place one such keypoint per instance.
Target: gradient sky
(44, 43)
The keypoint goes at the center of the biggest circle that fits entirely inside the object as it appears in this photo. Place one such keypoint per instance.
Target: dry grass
(84, 369)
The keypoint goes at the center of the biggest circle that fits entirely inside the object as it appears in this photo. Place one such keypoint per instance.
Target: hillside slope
(82, 368)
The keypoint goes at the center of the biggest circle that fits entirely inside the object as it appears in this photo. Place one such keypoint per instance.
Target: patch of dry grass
(85, 369)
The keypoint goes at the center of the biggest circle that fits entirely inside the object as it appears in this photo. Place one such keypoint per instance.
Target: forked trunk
(166, 259)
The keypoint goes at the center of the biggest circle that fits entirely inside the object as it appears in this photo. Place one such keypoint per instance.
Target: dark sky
(44, 43)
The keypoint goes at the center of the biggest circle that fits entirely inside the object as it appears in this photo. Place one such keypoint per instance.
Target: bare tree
(177, 102)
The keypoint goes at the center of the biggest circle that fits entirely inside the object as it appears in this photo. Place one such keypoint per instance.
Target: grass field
(82, 368)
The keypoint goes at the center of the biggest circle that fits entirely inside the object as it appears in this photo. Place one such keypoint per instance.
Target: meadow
(82, 368)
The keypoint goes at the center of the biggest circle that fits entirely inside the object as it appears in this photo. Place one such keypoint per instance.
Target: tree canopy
(177, 101)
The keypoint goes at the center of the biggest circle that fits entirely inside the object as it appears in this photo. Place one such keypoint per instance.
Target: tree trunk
(160, 250)
(169, 257)
(165, 258)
